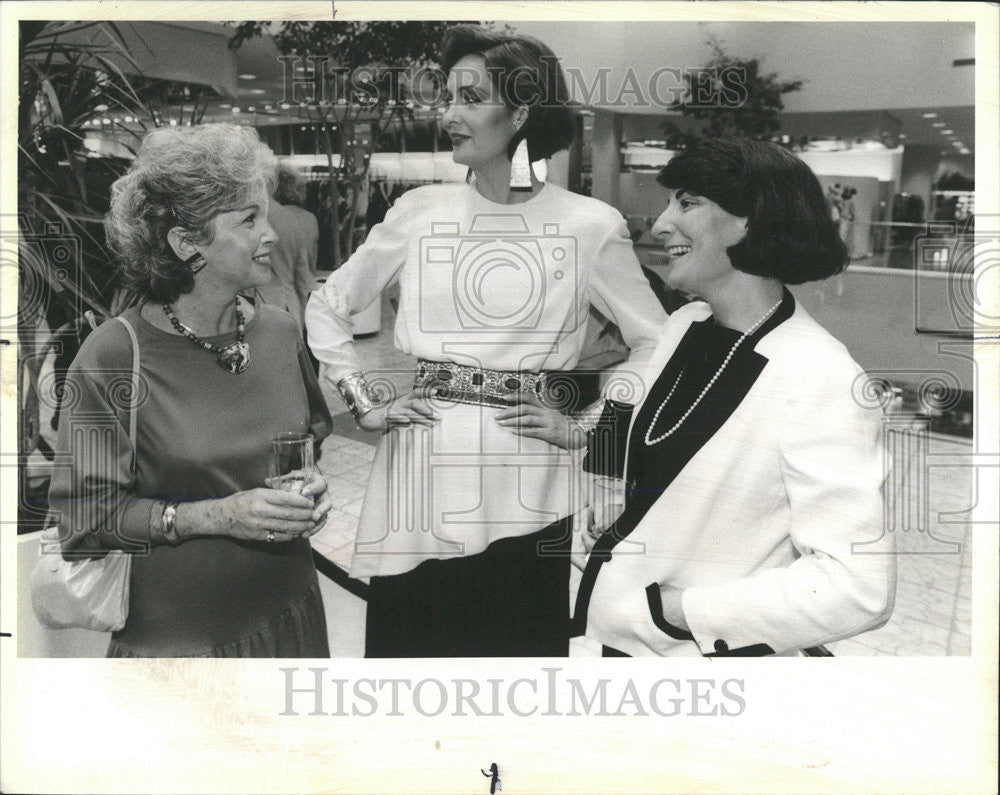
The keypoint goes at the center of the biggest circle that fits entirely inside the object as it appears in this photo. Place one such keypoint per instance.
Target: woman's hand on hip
(410, 409)
(528, 416)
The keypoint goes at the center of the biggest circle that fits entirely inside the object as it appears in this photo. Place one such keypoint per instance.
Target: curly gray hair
(181, 177)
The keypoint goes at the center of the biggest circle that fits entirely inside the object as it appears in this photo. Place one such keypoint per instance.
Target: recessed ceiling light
(965, 151)
(939, 124)
(930, 115)
(902, 135)
(958, 144)
(947, 132)
(247, 76)
(257, 91)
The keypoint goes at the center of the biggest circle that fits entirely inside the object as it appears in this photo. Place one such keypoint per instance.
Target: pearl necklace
(650, 441)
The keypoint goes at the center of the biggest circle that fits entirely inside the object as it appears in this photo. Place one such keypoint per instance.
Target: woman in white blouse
(466, 525)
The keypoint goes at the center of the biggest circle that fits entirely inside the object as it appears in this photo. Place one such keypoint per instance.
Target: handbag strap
(134, 398)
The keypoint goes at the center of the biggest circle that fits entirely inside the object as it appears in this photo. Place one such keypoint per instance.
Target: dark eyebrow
(255, 207)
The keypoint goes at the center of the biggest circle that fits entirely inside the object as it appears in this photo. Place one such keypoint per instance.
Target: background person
(293, 256)
(465, 528)
(229, 572)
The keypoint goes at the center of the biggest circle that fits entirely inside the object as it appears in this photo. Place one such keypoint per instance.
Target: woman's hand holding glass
(292, 470)
(528, 416)
(272, 514)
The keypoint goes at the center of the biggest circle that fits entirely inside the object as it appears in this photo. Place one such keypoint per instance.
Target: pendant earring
(195, 263)
(520, 168)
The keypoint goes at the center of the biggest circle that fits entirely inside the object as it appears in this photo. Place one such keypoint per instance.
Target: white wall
(846, 65)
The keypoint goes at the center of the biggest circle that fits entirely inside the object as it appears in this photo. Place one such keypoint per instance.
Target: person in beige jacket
(293, 259)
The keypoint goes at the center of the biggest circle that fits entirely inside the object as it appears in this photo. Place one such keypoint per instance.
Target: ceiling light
(247, 76)
(939, 124)
(958, 144)
(930, 115)
(965, 151)
(285, 106)
(236, 110)
(902, 135)
(257, 91)
(947, 132)
(225, 105)
(251, 109)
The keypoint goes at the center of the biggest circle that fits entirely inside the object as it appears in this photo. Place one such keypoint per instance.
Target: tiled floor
(930, 490)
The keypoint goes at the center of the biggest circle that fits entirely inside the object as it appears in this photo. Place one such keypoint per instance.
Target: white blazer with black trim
(773, 529)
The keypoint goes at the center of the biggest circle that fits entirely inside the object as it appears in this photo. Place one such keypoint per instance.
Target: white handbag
(89, 593)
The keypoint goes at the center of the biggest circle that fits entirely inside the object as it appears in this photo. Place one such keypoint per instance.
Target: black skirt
(511, 600)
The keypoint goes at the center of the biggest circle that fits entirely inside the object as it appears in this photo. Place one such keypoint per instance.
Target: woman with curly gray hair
(225, 567)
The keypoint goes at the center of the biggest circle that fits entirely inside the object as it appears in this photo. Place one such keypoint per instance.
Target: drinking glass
(290, 461)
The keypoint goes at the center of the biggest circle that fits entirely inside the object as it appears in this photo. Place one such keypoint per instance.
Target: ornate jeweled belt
(464, 384)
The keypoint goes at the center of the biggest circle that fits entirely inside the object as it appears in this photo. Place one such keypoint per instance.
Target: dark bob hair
(525, 72)
(790, 235)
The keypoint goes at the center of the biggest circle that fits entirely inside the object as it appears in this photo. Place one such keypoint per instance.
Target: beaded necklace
(649, 431)
(233, 358)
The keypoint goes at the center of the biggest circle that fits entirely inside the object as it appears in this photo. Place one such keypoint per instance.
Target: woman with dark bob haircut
(752, 474)
(465, 529)
(221, 563)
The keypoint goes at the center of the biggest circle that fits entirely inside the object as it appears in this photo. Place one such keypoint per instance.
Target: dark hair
(184, 177)
(289, 187)
(525, 72)
(790, 235)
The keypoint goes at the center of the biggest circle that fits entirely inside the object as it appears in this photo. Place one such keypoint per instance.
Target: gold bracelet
(167, 523)
(357, 395)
